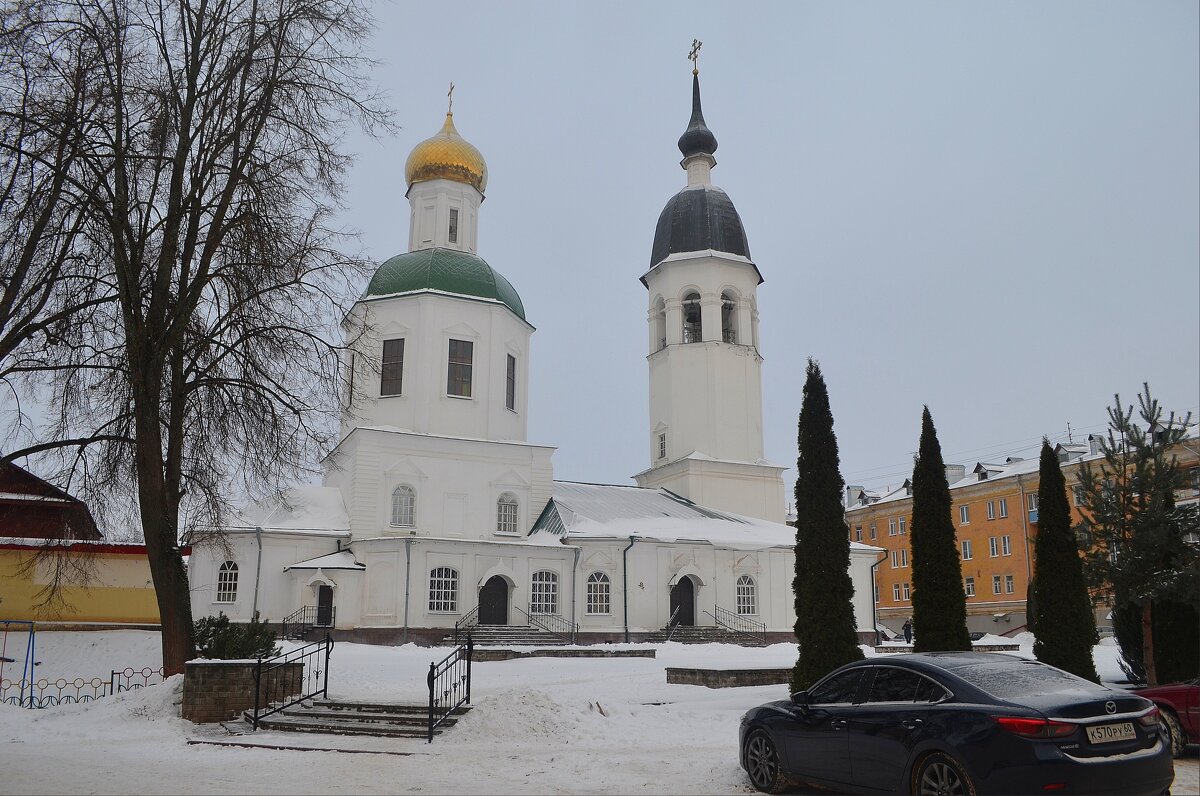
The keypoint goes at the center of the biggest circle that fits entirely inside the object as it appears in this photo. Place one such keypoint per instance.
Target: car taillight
(1149, 719)
(1035, 728)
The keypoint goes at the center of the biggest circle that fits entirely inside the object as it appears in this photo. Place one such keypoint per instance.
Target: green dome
(445, 270)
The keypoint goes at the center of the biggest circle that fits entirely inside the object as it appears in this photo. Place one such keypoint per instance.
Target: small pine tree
(218, 639)
(825, 627)
(1061, 602)
(938, 600)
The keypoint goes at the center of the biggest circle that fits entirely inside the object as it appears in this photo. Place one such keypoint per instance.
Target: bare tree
(209, 162)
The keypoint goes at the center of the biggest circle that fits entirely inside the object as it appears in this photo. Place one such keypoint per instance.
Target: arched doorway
(493, 602)
(683, 599)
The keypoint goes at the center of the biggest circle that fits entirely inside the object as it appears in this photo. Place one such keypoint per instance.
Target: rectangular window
(892, 527)
(599, 594)
(1009, 584)
(904, 558)
(858, 533)
(662, 446)
(452, 235)
(872, 531)
(510, 386)
(895, 559)
(991, 509)
(1003, 508)
(964, 515)
(1077, 494)
(969, 586)
(993, 546)
(1005, 546)
(966, 549)
(443, 590)
(903, 526)
(458, 373)
(1031, 502)
(907, 592)
(391, 378)
(896, 592)
(995, 584)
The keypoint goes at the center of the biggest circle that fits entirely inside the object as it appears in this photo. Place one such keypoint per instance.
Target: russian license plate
(1107, 733)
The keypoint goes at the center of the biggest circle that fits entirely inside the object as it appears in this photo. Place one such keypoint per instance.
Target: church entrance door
(493, 602)
(683, 597)
(324, 606)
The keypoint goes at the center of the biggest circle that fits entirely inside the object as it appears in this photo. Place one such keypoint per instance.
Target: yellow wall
(119, 590)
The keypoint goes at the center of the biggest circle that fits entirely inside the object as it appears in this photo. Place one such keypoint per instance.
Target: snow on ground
(540, 725)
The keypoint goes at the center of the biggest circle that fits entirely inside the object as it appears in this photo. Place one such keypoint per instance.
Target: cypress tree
(1060, 601)
(939, 602)
(825, 627)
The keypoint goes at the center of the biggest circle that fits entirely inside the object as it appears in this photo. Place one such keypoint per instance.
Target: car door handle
(911, 724)
(837, 724)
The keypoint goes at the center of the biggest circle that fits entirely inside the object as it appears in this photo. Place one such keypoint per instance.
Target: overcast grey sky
(993, 208)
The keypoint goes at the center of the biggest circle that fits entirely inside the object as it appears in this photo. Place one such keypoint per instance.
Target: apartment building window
(896, 592)
(892, 526)
(991, 509)
(969, 586)
(1005, 546)
(895, 559)
(1010, 585)
(995, 584)
(964, 515)
(966, 549)
(1003, 508)
(872, 532)
(907, 592)
(458, 371)
(993, 546)
(903, 526)
(1031, 502)
(904, 558)
(858, 533)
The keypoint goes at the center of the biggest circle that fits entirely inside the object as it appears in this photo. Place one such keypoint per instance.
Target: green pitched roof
(444, 270)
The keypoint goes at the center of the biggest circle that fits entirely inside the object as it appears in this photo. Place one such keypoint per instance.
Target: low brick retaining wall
(221, 690)
(728, 678)
(490, 654)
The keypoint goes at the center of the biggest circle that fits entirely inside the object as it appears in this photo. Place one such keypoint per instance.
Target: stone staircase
(357, 718)
(508, 636)
(688, 634)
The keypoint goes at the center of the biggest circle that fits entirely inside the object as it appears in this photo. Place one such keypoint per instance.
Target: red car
(1179, 709)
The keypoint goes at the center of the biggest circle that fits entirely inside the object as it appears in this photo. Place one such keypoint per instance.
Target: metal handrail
(305, 619)
(673, 623)
(466, 623)
(276, 684)
(552, 623)
(737, 623)
(449, 684)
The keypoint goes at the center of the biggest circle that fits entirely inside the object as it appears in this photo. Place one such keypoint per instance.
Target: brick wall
(221, 690)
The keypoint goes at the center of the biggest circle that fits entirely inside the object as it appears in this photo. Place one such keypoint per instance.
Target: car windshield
(1009, 681)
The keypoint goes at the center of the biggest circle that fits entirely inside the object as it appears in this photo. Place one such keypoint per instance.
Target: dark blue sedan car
(958, 723)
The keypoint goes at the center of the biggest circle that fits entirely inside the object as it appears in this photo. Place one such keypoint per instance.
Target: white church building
(436, 512)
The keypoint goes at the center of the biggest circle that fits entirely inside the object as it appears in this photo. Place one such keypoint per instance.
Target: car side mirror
(800, 699)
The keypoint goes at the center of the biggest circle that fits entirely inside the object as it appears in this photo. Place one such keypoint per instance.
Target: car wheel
(941, 775)
(1172, 730)
(762, 763)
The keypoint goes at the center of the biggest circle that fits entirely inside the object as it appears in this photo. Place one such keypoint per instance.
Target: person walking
(908, 630)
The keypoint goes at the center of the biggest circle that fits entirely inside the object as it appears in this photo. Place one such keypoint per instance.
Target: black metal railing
(552, 623)
(449, 684)
(465, 624)
(305, 619)
(47, 693)
(742, 625)
(673, 622)
(291, 677)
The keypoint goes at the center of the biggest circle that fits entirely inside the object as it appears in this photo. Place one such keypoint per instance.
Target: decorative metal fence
(305, 619)
(47, 693)
(449, 684)
(291, 677)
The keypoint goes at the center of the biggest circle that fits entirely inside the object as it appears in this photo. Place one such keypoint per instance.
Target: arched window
(599, 594)
(660, 324)
(728, 317)
(443, 590)
(506, 513)
(747, 598)
(543, 597)
(227, 578)
(693, 331)
(404, 503)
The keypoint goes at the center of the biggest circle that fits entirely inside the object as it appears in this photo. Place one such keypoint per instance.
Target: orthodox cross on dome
(450, 99)
(694, 56)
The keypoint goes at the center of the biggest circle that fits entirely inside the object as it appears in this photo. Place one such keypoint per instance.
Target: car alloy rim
(760, 757)
(940, 779)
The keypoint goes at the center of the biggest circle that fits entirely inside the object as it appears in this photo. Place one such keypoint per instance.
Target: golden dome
(447, 156)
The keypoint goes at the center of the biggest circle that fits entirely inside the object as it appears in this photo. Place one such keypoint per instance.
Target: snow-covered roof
(343, 559)
(579, 511)
(299, 508)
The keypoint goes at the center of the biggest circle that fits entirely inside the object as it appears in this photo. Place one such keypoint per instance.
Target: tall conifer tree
(825, 627)
(1061, 597)
(939, 602)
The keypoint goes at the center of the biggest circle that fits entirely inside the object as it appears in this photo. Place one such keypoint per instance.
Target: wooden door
(493, 602)
(683, 597)
(324, 606)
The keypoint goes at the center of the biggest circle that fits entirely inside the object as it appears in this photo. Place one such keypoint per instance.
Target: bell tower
(706, 436)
